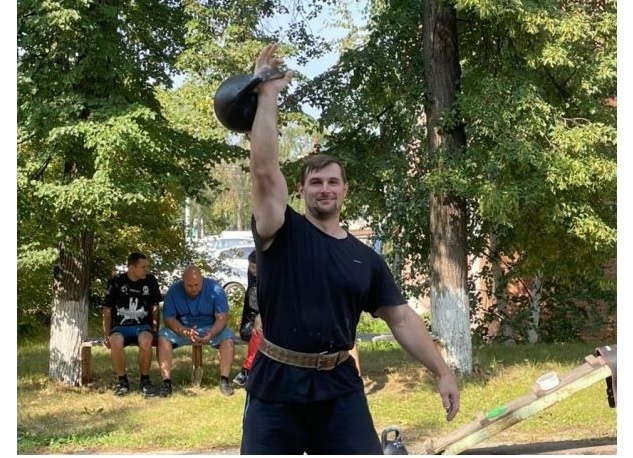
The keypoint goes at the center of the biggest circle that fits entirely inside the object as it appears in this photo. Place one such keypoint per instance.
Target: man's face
(324, 191)
(139, 270)
(192, 285)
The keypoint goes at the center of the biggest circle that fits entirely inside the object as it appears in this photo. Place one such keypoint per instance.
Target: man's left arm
(220, 307)
(411, 333)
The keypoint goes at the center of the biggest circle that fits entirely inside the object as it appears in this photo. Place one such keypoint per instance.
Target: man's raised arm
(269, 190)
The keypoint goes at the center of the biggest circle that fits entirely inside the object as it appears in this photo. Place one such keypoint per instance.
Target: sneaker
(147, 388)
(241, 378)
(165, 389)
(122, 388)
(225, 388)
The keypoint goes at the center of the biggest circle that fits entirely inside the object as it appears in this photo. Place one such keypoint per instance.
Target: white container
(548, 381)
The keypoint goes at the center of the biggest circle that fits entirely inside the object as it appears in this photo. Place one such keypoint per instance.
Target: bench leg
(86, 359)
(196, 359)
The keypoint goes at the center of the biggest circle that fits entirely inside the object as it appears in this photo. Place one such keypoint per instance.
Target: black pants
(341, 426)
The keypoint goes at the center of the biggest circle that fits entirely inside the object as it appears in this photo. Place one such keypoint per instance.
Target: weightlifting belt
(320, 361)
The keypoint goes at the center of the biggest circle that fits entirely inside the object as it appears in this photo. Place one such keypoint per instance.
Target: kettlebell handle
(265, 75)
(390, 429)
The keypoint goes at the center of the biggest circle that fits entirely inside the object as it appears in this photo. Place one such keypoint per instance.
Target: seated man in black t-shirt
(130, 317)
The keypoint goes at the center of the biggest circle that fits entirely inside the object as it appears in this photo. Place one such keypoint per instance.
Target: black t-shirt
(312, 289)
(132, 301)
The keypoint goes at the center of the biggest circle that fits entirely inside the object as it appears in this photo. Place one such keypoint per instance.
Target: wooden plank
(86, 362)
(593, 371)
(196, 370)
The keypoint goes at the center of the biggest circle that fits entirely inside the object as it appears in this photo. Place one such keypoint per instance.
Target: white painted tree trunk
(68, 331)
(450, 320)
(69, 320)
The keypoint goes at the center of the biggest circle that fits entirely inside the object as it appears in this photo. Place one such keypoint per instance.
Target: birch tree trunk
(536, 292)
(69, 323)
(450, 312)
(499, 292)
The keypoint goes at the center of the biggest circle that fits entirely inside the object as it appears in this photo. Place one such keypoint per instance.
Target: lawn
(54, 419)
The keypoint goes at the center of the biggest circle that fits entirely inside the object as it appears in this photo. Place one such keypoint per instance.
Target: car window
(247, 250)
(226, 243)
(237, 252)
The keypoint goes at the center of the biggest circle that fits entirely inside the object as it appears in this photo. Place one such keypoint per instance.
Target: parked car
(217, 247)
(213, 245)
(232, 268)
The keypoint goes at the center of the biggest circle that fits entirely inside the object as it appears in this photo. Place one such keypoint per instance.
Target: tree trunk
(69, 323)
(450, 312)
(499, 292)
(535, 308)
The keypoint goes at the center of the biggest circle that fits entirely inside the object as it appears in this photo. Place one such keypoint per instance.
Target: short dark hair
(252, 256)
(134, 257)
(317, 162)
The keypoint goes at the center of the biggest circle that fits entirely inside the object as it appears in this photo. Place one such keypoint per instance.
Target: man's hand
(106, 341)
(192, 333)
(257, 325)
(267, 61)
(450, 395)
(202, 338)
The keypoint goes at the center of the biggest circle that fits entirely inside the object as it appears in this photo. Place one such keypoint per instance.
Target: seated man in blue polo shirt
(195, 310)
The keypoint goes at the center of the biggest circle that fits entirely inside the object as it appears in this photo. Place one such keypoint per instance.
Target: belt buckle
(318, 363)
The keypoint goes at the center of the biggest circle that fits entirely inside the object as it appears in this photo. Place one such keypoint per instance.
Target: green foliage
(539, 171)
(370, 325)
(96, 155)
(569, 312)
(542, 140)
(106, 147)
(565, 318)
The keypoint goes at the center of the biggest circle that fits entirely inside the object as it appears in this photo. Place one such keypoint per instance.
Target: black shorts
(340, 426)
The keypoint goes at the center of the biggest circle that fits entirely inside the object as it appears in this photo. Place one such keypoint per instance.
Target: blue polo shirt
(195, 311)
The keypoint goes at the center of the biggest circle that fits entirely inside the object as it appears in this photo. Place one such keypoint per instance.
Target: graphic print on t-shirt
(132, 312)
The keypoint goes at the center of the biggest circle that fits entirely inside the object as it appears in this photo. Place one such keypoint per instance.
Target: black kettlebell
(235, 101)
(395, 446)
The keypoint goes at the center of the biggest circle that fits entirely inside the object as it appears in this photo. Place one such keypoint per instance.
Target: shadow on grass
(53, 417)
(34, 434)
(181, 369)
(388, 359)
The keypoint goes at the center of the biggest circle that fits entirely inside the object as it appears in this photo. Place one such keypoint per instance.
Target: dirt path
(600, 446)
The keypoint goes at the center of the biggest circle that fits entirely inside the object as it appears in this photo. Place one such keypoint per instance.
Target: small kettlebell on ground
(395, 446)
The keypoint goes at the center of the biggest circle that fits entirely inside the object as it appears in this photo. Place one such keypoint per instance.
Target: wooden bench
(85, 358)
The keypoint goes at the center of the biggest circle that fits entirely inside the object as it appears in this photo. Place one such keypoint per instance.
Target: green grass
(53, 419)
